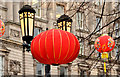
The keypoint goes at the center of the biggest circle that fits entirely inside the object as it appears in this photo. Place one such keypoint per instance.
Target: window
(37, 31)
(1, 66)
(40, 69)
(98, 2)
(63, 71)
(81, 48)
(83, 73)
(100, 24)
(117, 30)
(36, 4)
(59, 10)
(79, 20)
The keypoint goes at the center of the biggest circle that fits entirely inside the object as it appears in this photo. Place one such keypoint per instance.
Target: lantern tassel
(104, 67)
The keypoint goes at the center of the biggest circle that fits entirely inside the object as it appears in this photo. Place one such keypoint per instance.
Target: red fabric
(104, 44)
(55, 46)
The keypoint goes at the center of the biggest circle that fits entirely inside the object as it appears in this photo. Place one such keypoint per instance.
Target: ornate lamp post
(27, 18)
(64, 23)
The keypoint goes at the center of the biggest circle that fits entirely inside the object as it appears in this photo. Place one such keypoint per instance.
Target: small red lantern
(55, 46)
(2, 28)
(104, 43)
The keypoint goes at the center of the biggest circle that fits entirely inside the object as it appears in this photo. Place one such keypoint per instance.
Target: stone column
(16, 8)
(10, 11)
(15, 12)
(6, 64)
(44, 9)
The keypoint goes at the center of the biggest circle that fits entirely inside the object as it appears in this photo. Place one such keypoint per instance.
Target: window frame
(37, 7)
(100, 24)
(2, 70)
(80, 19)
(42, 68)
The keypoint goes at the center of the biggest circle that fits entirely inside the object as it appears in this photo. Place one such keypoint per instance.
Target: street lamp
(64, 23)
(27, 18)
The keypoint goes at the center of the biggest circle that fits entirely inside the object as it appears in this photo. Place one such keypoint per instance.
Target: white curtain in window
(117, 31)
(1, 66)
(40, 69)
(37, 31)
(79, 20)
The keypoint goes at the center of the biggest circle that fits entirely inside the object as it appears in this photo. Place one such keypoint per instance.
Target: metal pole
(47, 71)
(23, 61)
(47, 67)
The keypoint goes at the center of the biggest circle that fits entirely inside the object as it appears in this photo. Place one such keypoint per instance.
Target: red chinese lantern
(2, 28)
(55, 46)
(104, 44)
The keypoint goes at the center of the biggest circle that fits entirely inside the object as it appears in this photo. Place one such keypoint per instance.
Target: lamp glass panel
(25, 16)
(60, 25)
(30, 27)
(22, 24)
(31, 17)
(64, 25)
(68, 24)
(68, 29)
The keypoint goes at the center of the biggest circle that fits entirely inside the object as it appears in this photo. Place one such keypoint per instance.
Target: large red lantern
(55, 46)
(104, 43)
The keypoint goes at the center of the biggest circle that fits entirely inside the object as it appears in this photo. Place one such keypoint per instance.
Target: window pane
(63, 71)
(36, 31)
(117, 31)
(100, 24)
(1, 66)
(36, 4)
(79, 19)
(81, 48)
(40, 69)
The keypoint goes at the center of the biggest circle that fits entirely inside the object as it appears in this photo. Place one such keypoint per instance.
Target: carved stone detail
(14, 33)
(15, 66)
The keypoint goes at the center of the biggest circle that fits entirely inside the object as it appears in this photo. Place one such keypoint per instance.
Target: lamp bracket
(27, 46)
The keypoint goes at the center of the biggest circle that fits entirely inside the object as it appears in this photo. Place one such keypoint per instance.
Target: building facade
(85, 16)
